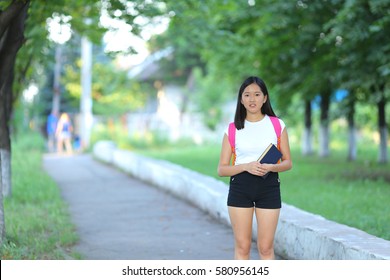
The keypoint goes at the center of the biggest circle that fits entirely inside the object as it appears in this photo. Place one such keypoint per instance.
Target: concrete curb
(300, 235)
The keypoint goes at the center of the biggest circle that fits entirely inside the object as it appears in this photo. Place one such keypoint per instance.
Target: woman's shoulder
(282, 123)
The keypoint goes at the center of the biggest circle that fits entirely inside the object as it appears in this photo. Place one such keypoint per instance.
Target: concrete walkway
(120, 218)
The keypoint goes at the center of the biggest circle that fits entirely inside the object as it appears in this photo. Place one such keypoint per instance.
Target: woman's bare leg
(241, 220)
(68, 146)
(60, 145)
(267, 221)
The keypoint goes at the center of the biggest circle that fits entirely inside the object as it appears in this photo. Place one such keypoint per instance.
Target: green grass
(352, 193)
(37, 222)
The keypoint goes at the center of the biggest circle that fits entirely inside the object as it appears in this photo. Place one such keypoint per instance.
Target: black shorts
(247, 190)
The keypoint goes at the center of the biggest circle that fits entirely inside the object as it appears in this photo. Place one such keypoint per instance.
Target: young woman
(64, 134)
(249, 192)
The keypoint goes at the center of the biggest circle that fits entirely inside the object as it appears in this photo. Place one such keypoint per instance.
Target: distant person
(77, 143)
(64, 134)
(51, 126)
(249, 193)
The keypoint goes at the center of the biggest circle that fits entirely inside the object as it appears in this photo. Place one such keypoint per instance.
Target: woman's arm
(286, 163)
(226, 170)
(59, 128)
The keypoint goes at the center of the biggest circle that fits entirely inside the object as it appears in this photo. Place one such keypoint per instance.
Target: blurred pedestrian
(64, 134)
(51, 127)
(77, 143)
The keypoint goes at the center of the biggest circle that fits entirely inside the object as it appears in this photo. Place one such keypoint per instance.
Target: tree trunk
(5, 165)
(382, 156)
(324, 125)
(2, 220)
(11, 39)
(86, 118)
(352, 146)
(190, 88)
(56, 84)
(307, 147)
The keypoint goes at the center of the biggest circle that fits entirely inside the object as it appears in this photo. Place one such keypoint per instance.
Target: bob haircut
(266, 109)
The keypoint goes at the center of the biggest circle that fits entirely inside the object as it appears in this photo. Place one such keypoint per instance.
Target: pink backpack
(232, 135)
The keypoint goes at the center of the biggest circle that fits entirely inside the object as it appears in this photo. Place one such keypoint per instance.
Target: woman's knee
(266, 250)
(243, 247)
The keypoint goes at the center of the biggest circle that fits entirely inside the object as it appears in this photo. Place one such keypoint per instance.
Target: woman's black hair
(239, 118)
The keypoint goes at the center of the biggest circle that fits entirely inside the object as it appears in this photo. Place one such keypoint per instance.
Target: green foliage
(37, 220)
(210, 96)
(112, 92)
(35, 60)
(207, 30)
(27, 141)
(359, 32)
(303, 48)
(299, 48)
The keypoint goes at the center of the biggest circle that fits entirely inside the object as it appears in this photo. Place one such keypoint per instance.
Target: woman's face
(253, 99)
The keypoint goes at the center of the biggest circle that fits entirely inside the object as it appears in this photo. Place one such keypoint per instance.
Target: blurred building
(170, 112)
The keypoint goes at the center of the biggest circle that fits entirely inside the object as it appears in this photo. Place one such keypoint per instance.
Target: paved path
(120, 218)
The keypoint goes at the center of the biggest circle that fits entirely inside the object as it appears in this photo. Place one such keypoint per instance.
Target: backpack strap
(278, 130)
(232, 140)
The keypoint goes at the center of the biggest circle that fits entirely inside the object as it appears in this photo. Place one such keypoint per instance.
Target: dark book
(270, 155)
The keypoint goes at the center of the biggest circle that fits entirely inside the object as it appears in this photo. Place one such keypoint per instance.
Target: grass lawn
(352, 193)
(37, 222)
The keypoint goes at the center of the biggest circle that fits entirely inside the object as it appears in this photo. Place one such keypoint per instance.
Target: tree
(187, 64)
(305, 48)
(204, 42)
(112, 91)
(13, 15)
(210, 96)
(360, 33)
(276, 40)
(11, 39)
(305, 64)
